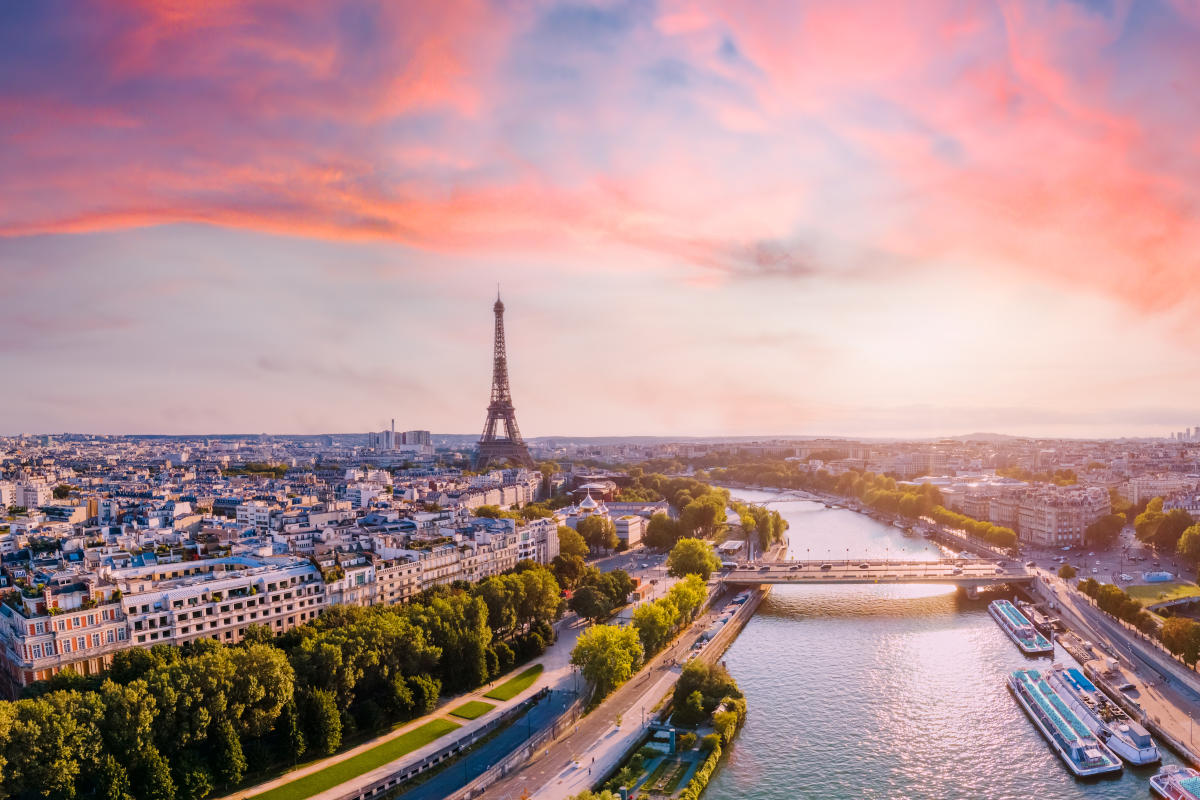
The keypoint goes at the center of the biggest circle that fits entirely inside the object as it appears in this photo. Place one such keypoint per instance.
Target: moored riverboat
(1020, 629)
(1082, 752)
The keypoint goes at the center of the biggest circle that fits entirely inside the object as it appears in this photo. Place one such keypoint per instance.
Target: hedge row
(700, 779)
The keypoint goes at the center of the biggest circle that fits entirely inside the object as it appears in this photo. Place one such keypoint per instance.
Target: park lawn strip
(365, 761)
(1150, 593)
(473, 709)
(514, 686)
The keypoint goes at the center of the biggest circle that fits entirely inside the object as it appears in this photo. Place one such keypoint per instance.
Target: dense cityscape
(599, 400)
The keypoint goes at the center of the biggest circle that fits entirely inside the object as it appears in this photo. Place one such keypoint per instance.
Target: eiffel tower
(495, 450)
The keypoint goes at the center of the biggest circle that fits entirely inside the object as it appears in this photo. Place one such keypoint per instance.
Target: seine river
(884, 692)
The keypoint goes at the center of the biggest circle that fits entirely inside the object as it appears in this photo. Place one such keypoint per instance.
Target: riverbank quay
(1161, 696)
(612, 758)
(602, 739)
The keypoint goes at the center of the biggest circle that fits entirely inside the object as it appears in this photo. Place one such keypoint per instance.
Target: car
(1095, 571)
(1031, 563)
(1067, 549)
(1126, 687)
(1126, 577)
(956, 571)
(1091, 554)
(999, 570)
(794, 567)
(764, 569)
(864, 565)
(827, 566)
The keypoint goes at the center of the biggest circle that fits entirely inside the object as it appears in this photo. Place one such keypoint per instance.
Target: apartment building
(83, 623)
(255, 513)
(1056, 516)
(1147, 487)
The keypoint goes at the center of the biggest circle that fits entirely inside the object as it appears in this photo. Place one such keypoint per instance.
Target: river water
(884, 691)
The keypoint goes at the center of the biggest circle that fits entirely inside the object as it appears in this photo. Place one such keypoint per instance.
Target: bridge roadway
(968, 573)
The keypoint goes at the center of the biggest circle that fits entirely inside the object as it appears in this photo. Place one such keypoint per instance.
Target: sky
(848, 217)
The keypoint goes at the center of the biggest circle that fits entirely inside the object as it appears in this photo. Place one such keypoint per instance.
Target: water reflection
(884, 691)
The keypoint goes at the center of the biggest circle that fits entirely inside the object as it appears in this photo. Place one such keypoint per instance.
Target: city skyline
(847, 219)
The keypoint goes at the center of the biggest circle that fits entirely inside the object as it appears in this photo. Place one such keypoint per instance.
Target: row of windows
(78, 644)
(70, 623)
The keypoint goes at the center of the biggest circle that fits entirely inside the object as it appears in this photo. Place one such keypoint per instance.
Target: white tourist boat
(1176, 783)
(1019, 629)
(1106, 719)
(1079, 749)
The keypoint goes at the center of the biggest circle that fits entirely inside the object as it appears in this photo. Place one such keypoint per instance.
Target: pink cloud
(736, 138)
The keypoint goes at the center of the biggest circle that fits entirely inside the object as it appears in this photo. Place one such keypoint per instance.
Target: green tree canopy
(692, 557)
(607, 656)
(655, 622)
(1189, 543)
(1104, 531)
(688, 595)
(599, 532)
(661, 532)
(570, 543)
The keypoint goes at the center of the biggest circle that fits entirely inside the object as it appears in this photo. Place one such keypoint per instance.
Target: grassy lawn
(363, 762)
(514, 686)
(473, 709)
(1159, 592)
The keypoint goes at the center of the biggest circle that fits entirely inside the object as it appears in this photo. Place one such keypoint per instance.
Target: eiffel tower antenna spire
(495, 447)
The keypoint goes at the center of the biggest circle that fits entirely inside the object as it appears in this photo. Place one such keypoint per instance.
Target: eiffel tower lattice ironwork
(496, 449)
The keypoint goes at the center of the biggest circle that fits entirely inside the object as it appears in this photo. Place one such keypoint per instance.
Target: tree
(688, 595)
(228, 758)
(1146, 524)
(618, 585)
(152, 777)
(692, 557)
(540, 597)
(112, 779)
(62, 491)
(703, 516)
(499, 592)
(654, 623)
(607, 656)
(291, 735)
(1104, 531)
(1189, 543)
(490, 512)
(1177, 635)
(570, 543)
(692, 711)
(567, 569)
(661, 532)
(256, 633)
(323, 722)
(591, 603)
(599, 532)
(1066, 572)
(261, 683)
(1176, 521)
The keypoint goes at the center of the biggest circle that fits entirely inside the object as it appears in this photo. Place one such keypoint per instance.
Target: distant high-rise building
(416, 437)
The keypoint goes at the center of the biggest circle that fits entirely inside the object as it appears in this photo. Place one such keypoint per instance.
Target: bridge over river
(970, 574)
